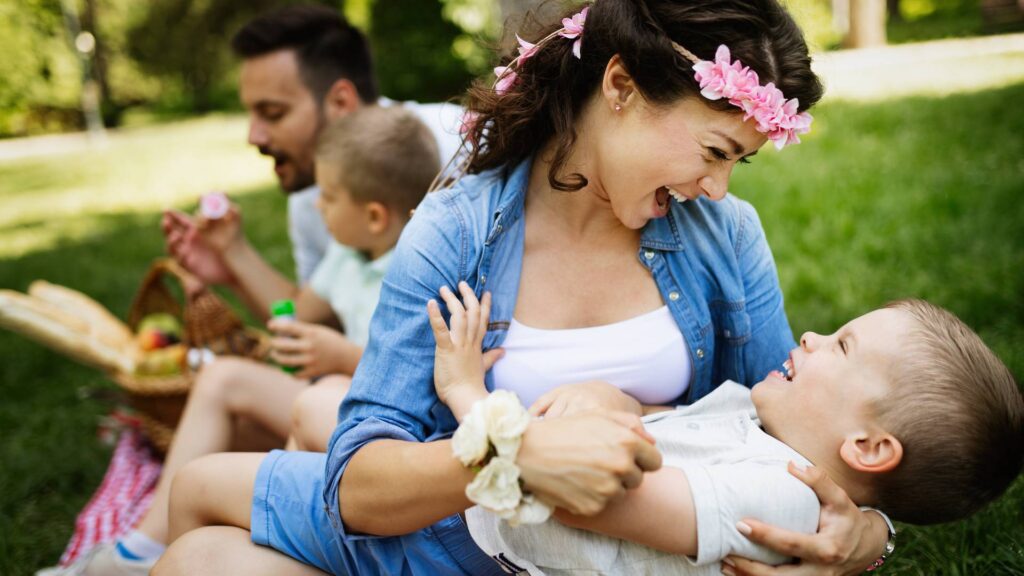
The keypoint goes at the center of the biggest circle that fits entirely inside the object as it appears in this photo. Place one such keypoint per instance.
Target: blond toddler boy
(904, 407)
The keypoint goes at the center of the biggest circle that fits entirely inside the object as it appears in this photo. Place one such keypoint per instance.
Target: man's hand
(223, 233)
(186, 247)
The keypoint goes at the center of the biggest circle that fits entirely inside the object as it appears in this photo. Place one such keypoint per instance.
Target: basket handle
(202, 306)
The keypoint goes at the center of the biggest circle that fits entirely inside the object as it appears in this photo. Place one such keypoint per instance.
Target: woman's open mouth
(677, 195)
(661, 198)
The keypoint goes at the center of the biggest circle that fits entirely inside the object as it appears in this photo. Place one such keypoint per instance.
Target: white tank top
(645, 357)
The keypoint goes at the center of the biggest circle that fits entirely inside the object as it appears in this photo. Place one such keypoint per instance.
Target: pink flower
(506, 79)
(773, 115)
(526, 50)
(724, 78)
(469, 120)
(573, 28)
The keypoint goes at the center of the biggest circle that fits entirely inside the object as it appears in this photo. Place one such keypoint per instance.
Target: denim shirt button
(498, 228)
(673, 296)
(649, 254)
(483, 279)
(700, 353)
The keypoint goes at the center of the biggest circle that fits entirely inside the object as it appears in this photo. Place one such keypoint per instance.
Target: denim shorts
(290, 516)
(288, 511)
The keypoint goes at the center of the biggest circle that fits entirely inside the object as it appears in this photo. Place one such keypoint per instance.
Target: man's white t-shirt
(306, 228)
(735, 471)
(307, 231)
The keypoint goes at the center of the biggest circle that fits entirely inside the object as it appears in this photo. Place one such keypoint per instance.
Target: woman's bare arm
(578, 463)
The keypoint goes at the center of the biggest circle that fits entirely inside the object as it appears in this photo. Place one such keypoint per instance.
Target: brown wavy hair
(553, 85)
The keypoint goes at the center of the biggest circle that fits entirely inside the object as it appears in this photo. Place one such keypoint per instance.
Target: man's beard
(301, 178)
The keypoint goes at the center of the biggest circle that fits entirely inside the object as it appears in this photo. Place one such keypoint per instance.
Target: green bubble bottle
(284, 310)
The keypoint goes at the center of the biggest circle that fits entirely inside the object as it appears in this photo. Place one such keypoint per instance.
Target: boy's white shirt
(735, 471)
(351, 284)
(306, 229)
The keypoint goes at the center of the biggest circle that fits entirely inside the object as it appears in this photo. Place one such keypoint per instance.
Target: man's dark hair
(326, 45)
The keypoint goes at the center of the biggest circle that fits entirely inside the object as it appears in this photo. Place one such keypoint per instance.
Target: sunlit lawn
(915, 197)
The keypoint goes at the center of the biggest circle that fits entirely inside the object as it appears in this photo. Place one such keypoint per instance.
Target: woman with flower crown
(595, 212)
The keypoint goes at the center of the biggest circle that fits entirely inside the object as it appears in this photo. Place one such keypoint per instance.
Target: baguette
(54, 327)
(103, 325)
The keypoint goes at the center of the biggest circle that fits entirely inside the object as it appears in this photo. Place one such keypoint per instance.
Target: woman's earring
(618, 107)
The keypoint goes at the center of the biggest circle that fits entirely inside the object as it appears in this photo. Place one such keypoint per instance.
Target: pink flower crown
(775, 116)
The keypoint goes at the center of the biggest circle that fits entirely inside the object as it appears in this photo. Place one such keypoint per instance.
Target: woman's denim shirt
(710, 260)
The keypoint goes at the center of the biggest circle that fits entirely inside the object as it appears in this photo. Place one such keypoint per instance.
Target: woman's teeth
(788, 367)
(678, 196)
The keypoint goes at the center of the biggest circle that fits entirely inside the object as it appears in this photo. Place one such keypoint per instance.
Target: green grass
(910, 198)
(913, 197)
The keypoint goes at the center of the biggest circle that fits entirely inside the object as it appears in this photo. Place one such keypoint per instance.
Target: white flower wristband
(492, 431)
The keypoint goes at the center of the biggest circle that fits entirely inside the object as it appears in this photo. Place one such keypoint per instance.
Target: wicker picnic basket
(207, 322)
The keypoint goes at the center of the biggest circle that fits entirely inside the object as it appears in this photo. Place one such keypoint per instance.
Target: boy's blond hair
(959, 415)
(381, 154)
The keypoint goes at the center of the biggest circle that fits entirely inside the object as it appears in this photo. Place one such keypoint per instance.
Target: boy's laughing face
(830, 382)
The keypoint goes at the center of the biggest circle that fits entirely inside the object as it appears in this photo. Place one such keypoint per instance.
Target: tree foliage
(185, 42)
(174, 55)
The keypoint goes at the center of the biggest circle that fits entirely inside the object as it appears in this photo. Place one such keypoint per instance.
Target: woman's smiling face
(643, 155)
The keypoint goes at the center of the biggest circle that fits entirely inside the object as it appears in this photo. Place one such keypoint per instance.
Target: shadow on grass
(916, 197)
(52, 461)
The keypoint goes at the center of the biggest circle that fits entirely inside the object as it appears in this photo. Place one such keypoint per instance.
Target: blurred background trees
(164, 58)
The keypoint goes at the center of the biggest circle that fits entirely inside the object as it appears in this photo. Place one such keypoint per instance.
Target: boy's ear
(871, 452)
(378, 217)
(341, 98)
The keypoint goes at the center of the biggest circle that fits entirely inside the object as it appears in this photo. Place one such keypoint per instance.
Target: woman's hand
(584, 397)
(316, 349)
(847, 542)
(459, 363)
(580, 463)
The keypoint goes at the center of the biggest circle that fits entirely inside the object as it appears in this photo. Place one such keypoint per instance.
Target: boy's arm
(659, 513)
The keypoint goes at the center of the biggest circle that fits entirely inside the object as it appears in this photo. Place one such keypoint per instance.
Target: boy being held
(904, 407)
(373, 167)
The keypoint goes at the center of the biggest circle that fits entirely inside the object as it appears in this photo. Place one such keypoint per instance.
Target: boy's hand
(459, 364)
(190, 251)
(223, 233)
(584, 397)
(316, 349)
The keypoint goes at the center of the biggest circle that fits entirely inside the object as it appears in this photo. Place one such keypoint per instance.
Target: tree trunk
(867, 24)
(893, 8)
(99, 56)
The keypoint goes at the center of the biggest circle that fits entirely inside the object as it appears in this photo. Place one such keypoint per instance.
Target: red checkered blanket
(122, 498)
